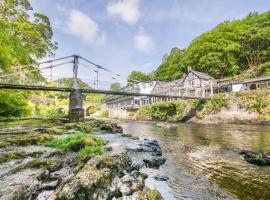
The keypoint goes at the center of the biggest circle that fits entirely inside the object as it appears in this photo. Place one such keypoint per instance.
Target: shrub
(91, 111)
(255, 101)
(104, 114)
(14, 104)
(216, 103)
(163, 111)
(180, 110)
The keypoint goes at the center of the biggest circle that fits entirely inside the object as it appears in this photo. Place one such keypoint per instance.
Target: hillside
(231, 48)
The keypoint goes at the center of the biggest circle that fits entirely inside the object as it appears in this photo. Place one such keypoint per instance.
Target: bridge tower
(76, 111)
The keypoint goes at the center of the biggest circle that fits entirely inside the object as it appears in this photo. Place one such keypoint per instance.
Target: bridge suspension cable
(36, 69)
(37, 64)
(98, 66)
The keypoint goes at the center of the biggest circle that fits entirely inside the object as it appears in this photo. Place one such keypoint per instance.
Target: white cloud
(143, 42)
(127, 10)
(84, 27)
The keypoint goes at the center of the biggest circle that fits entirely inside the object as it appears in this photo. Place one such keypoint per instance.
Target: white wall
(237, 87)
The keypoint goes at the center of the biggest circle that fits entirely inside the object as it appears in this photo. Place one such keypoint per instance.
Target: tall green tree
(138, 76)
(172, 66)
(115, 87)
(24, 38)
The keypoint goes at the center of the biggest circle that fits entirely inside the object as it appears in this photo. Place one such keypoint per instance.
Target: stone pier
(76, 111)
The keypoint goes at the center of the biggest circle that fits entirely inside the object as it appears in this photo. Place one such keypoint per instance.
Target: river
(203, 160)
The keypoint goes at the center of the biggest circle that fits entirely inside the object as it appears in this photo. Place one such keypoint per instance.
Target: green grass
(90, 151)
(81, 143)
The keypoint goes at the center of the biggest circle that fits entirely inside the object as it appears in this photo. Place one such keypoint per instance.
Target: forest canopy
(24, 38)
(227, 50)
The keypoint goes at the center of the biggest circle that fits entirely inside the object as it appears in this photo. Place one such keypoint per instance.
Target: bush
(49, 112)
(180, 110)
(216, 103)
(163, 111)
(91, 111)
(104, 114)
(14, 104)
(255, 101)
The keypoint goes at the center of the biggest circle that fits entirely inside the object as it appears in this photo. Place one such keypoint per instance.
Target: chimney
(189, 68)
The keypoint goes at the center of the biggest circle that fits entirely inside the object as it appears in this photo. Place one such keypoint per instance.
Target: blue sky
(127, 35)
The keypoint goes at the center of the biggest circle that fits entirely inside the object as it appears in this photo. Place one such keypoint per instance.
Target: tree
(115, 87)
(24, 38)
(138, 76)
(172, 67)
(231, 47)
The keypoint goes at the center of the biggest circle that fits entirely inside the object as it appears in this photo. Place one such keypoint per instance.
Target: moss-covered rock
(53, 131)
(80, 126)
(24, 140)
(94, 178)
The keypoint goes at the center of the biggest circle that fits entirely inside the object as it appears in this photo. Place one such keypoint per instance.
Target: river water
(203, 160)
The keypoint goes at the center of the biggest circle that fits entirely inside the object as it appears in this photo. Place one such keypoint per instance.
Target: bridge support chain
(76, 111)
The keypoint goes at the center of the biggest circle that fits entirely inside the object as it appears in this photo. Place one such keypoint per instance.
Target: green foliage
(214, 105)
(40, 110)
(80, 126)
(91, 110)
(90, 151)
(115, 87)
(172, 66)
(76, 142)
(14, 104)
(232, 46)
(136, 76)
(227, 50)
(264, 69)
(68, 83)
(24, 36)
(95, 98)
(153, 194)
(104, 114)
(256, 101)
(163, 111)
(180, 110)
(144, 113)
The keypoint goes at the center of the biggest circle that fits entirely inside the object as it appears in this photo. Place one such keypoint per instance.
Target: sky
(127, 35)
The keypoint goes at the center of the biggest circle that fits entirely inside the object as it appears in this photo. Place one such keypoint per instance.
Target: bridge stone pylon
(76, 111)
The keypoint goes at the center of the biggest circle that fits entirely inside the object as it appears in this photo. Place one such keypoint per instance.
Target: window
(268, 84)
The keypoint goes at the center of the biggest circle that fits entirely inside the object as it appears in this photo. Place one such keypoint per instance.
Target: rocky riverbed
(40, 160)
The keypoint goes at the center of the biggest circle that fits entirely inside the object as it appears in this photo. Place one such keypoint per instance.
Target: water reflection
(212, 152)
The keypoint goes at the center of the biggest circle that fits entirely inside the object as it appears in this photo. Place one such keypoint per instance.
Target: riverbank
(91, 160)
(250, 107)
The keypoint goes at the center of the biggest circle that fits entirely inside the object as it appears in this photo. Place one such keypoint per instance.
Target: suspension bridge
(41, 76)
